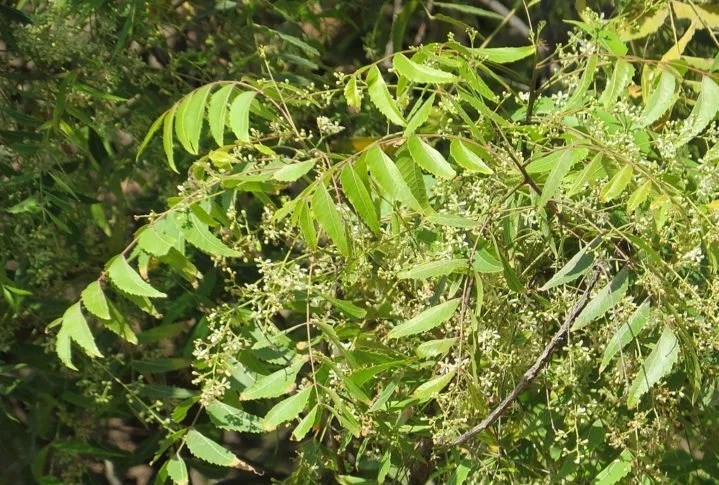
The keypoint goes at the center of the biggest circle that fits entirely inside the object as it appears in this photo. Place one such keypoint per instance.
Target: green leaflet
(616, 470)
(477, 83)
(575, 267)
(305, 424)
(358, 195)
(154, 242)
(167, 126)
(293, 171)
(429, 158)
(347, 307)
(74, 328)
(210, 451)
(94, 300)
(190, 117)
(589, 173)
(621, 77)
(655, 366)
(325, 211)
(703, 112)
(200, 236)
(485, 262)
(240, 115)
(578, 97)
(427, 390)
(563, 164)
(420, 116)
(273, 385)
(414, 177)
(389, 178)
(217, 113)
(660, 100)
(126, 279)
(352, 94)
(639, 196)
(433, 268)
(504, 55)
(306, 223)
(427, 320)
(451, 220)
(625, 334)
(381, 98)
(607, 298)
(228, 417)
(287, 409)
(177, 470)
(467, 159)
(150, 133)
(433, 348)
(420, 73)
(617, 184)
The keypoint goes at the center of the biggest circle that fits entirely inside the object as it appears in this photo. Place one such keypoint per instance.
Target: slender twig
(532, 372)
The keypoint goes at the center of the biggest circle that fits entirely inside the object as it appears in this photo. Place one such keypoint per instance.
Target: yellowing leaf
(240, 115)
(325, 211)
(420, 73)
(126, 279)
(429, 158)
(381, 98)
(433, 348)
(616, 470)
(426, 320)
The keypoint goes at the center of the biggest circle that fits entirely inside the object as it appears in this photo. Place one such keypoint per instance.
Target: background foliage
(388, 242)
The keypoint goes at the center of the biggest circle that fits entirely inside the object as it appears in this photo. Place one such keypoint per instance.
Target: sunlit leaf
(126, 279)
(273, 385)
(217, 113)
(429, 158)
(325, 211)
(419, 73)
(381, 98)
(427, 320)
(625, 334)
(287, 409)
(240, 115)
(94, 300)
(433, 268)
(657, 365)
